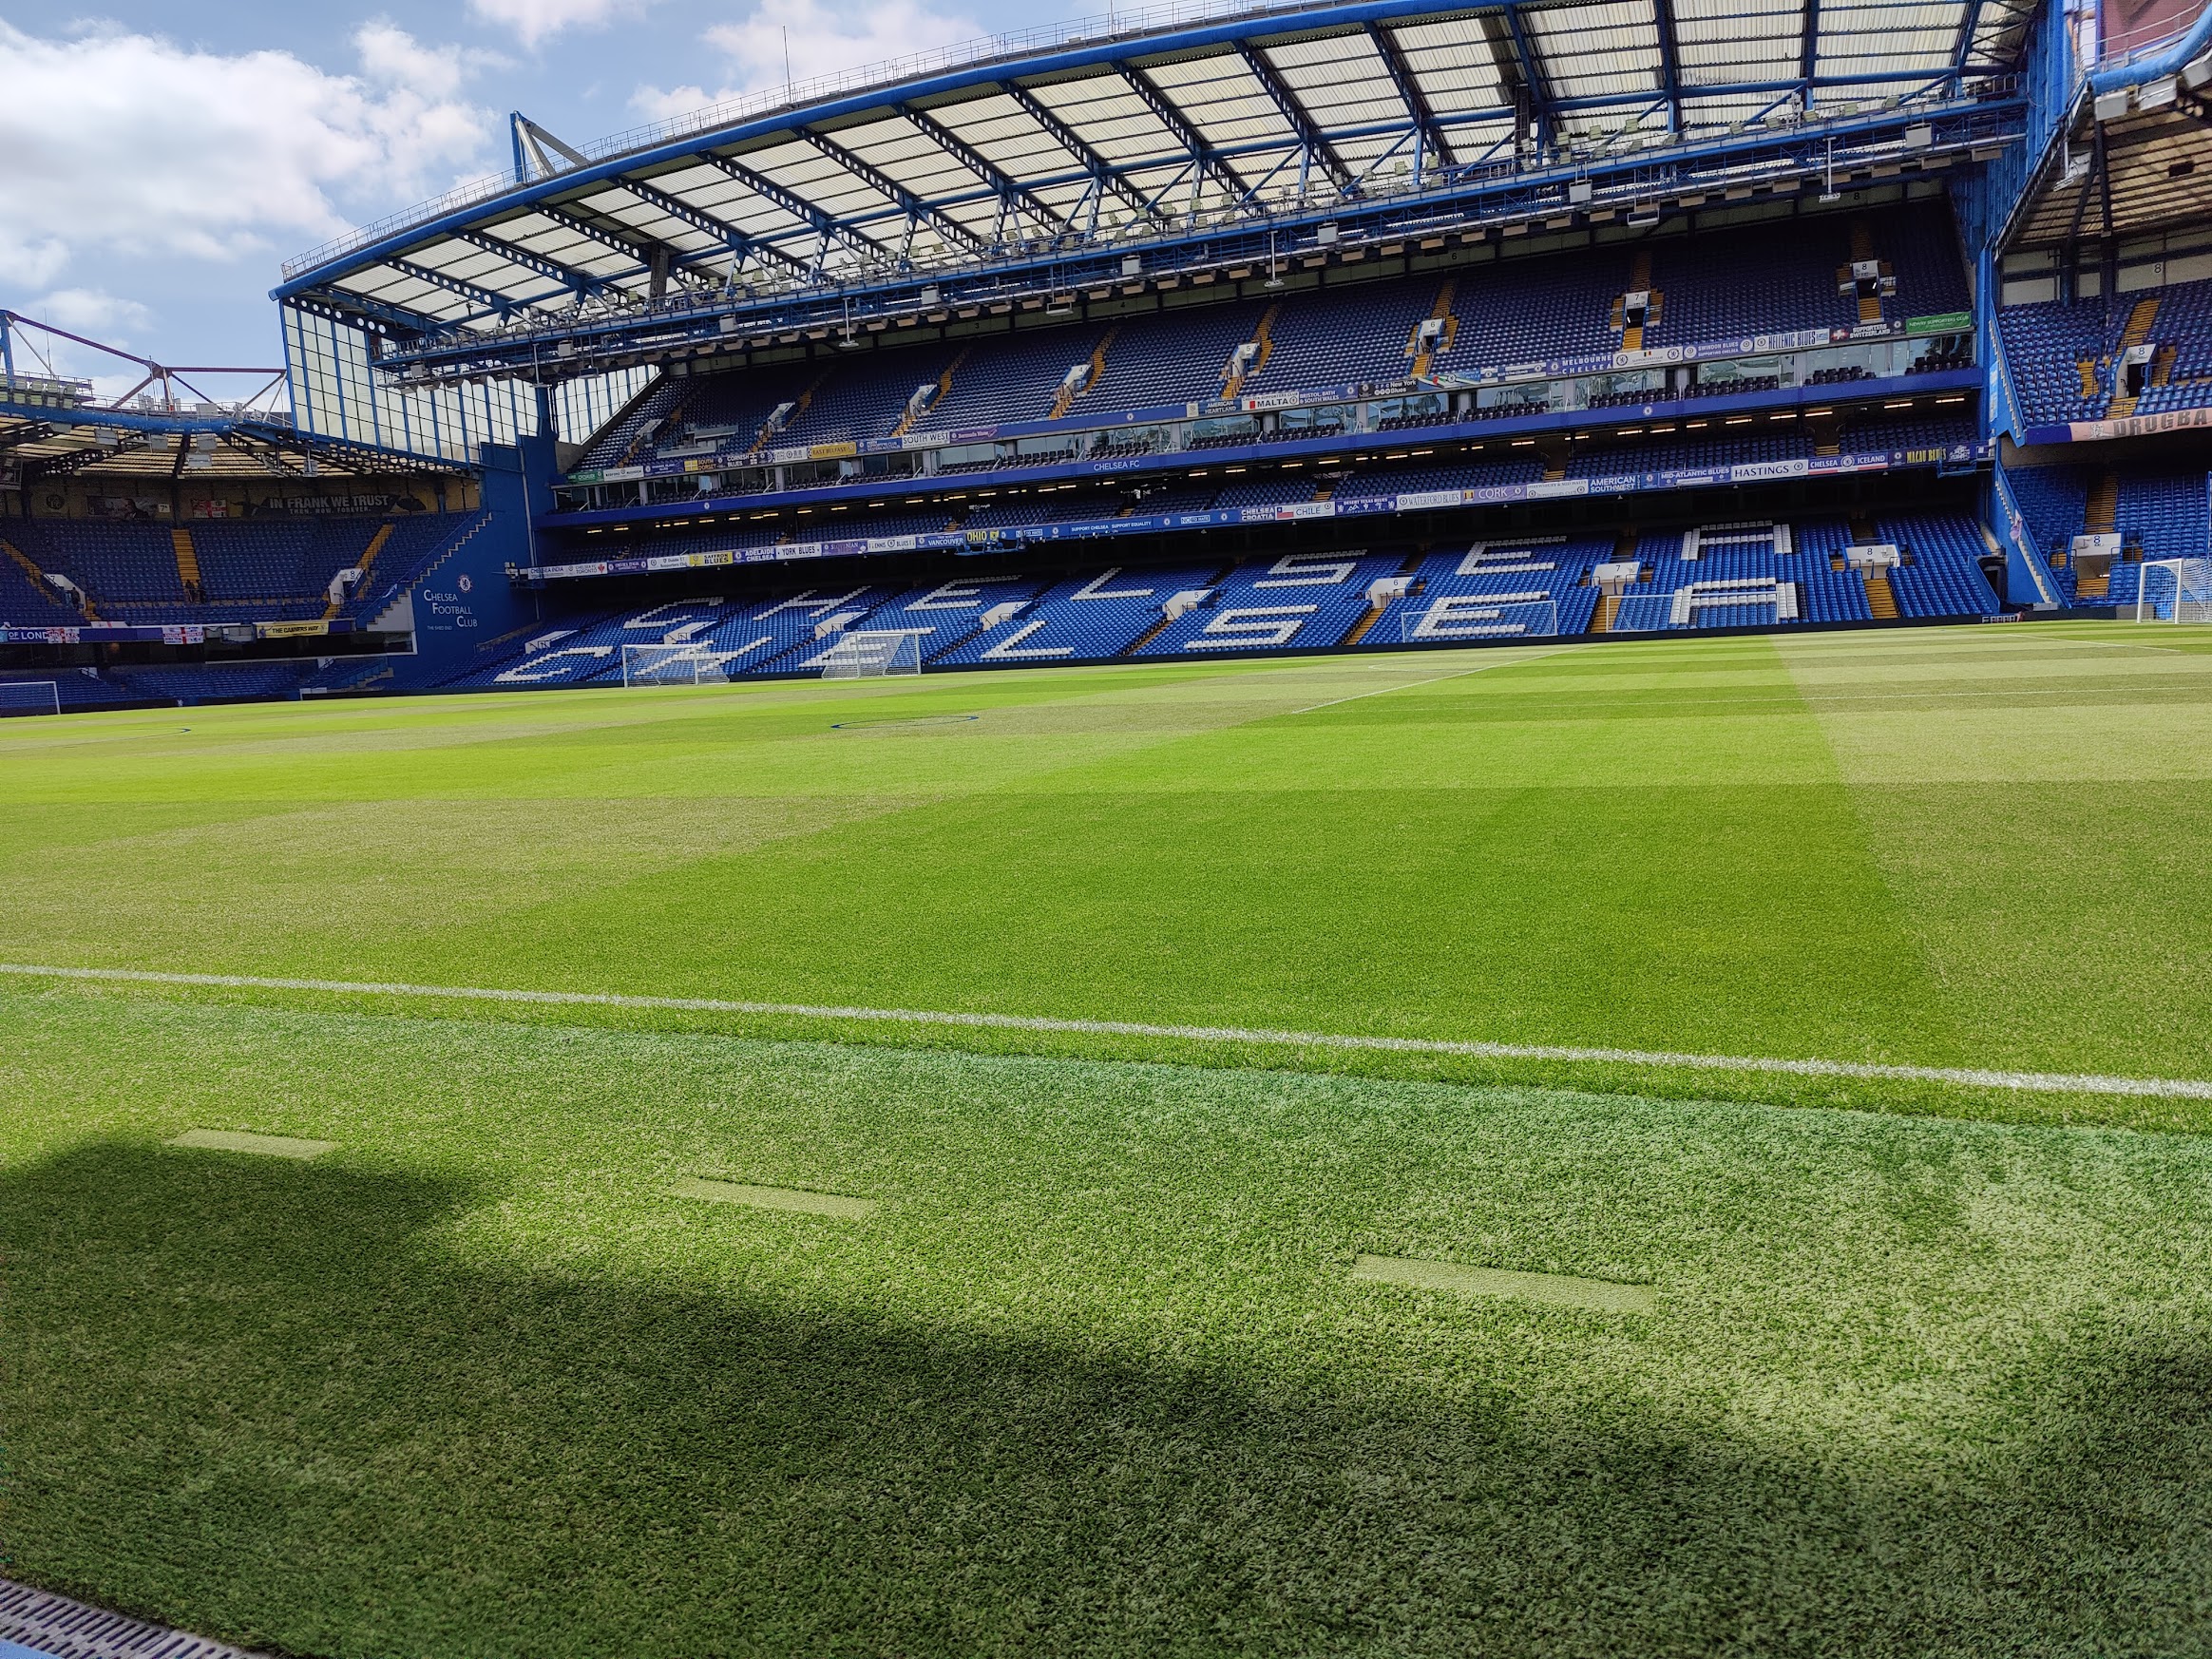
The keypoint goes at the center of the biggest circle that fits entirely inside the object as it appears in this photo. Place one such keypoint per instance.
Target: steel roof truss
(1670, 62)
(1007, 189)
(631, 243)
(918, 211)
(1311, 136)
(488, 300)
(1201, 154)
(581, 282)
(1104, 174)
(1433, 142)
(684, 212)
(829, 231)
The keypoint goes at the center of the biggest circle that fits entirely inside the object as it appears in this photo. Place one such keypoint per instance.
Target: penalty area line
(1969, 1077)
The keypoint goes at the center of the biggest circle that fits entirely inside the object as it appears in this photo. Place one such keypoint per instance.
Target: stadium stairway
(187, 563)
(1238, 370)
(1862, 249)
(332, 608)
(2142, 319)
(915, 411)
(39, 590)
(1423, 354)
(1095, 370)
(1881, 598)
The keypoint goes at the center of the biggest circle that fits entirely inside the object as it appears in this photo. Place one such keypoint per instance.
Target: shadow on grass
(256, 1399)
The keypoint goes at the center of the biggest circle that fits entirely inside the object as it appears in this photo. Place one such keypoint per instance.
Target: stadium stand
(2068, 362)
(271, 569)
(1303, 601)
(1716, 287)
(2149, 512)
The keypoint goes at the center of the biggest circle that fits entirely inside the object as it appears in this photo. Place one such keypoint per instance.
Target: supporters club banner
(1348, 506)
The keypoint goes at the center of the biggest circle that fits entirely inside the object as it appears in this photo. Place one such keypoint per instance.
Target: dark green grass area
(1094, 1380)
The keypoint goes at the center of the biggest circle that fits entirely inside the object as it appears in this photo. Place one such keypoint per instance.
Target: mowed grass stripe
(267, 1145)
(790, 1199)
(1969, 1077)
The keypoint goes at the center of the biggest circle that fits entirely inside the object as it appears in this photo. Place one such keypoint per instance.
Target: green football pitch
(976, 1214)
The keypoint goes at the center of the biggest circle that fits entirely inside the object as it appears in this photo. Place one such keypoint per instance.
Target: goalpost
(1474, 617)
(675, 665)
(30, 696)
(866, 654)
(2174, 590)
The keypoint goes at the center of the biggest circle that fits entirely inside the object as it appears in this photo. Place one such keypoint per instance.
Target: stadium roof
(1078, 136)
(2133, 153)
(45, 442)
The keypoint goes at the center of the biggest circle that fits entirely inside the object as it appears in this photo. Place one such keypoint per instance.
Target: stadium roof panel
(1202, 114)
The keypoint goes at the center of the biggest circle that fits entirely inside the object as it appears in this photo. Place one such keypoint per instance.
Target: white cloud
(534, 20)
(392, 57)
(822, 41)
(90, 311)
(124, 143)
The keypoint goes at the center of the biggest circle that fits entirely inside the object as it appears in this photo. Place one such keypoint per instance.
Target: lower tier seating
(1732, 576)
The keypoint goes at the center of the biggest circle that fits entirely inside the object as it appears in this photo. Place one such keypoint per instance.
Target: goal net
(2175, 590)
(1477, 616)
(675, 665)
(30, 696)
(866, 654)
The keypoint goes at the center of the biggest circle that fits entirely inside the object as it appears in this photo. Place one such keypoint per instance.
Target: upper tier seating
(1715, 286)
(2047, 346)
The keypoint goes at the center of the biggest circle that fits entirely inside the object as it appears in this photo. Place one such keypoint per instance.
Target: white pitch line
(2034, 1083)
(1438, 680)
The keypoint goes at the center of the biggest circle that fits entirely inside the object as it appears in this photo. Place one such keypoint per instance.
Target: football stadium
(1345, 828)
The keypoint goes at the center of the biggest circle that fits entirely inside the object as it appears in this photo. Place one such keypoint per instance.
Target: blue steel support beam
(621, 238)
(1006, 188)
(1669, 63)
(552, 270)
(1436, 150)
(1532, 80)
(823, 225)
(340, 306)
(1310, 134)
(705, 223)
(500, 304)
(1202, 155)
(875, 178)
(1103, 173)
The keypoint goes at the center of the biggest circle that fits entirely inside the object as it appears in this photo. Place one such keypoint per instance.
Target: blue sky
(162, 159)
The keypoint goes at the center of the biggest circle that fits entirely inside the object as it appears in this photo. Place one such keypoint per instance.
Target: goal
(1476, 616)
(675, 665)
(30, 696)
(2174, 590)
(866, 654)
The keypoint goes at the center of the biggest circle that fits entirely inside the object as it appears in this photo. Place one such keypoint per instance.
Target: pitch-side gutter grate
(61, 1628)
